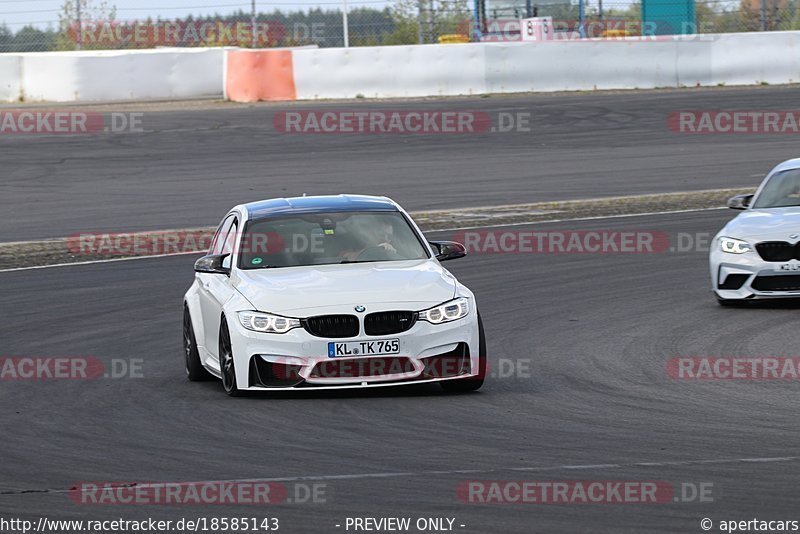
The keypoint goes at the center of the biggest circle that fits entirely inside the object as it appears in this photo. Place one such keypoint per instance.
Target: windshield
(782, 190)
(328, 238)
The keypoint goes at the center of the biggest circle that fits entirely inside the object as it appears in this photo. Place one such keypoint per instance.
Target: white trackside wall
(10, 77)
(408, 71)
(463, 69)
(389, 71)
(572, 65)
(113, 75)
(743, 59)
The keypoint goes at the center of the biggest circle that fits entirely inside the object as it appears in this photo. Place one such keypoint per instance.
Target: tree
(30, 39)
(82, 33)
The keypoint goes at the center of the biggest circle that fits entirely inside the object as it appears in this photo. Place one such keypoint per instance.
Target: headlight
(266, 322)
(734, 246)
(444, 313)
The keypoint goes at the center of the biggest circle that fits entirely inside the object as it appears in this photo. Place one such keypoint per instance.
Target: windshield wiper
(359, 261)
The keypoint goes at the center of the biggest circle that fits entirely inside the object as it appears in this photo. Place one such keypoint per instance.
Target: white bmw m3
(757, 254)
(329, 292)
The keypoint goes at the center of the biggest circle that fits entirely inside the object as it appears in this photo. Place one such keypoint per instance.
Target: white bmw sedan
(757, 254)
(329, 292)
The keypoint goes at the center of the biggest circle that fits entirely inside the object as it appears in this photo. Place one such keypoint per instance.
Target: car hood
(309, 290)
(773, 224)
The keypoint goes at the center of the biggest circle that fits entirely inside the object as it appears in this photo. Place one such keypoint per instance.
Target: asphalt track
(189, 166)
(596, 329)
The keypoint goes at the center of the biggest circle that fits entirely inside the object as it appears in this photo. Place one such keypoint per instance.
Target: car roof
(787, 165)
(318, 204)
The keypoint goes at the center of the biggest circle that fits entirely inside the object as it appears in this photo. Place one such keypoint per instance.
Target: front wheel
(471, 383)
(226, 366)
(194, 369)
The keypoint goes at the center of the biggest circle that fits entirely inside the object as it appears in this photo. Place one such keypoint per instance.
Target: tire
(195, 371)
(226, 365)
(472, 383)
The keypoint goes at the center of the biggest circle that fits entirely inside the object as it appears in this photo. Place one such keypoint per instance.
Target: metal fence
(95, 25)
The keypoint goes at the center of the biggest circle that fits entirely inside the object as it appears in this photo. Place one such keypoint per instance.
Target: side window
(221, 235)
(229, 244)
(230, 239)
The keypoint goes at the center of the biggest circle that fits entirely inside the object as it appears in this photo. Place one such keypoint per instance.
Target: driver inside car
(376, 244)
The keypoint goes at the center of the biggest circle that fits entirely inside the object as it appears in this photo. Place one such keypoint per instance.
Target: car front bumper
(747, 276)
(299, 360)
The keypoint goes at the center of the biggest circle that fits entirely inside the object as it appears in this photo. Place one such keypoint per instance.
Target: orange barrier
(253, 75)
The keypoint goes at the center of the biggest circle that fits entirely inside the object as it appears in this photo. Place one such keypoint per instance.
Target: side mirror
(448, 250)
(740, 202)
(212, 264)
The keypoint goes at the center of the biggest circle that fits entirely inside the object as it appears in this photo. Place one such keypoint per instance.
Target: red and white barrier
(509, 67)
(402, 71)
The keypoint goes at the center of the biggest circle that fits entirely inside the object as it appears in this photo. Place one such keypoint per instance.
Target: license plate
(363, 348)
(788, 267)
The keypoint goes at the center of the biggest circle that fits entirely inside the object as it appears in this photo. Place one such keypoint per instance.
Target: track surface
(189, 167)
(597, 329)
